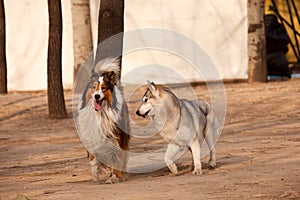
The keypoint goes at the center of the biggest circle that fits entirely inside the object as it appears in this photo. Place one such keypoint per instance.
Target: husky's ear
(152, 87)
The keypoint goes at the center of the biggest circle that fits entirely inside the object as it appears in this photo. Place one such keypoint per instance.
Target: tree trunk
(257, 64)
(110, 29)
(82, 32)
(3, 68)
(56, 102)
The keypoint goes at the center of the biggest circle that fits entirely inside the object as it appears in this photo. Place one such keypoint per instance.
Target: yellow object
(284, 12)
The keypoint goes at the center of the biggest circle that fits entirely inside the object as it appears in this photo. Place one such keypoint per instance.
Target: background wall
(219, 27)
(27, 44)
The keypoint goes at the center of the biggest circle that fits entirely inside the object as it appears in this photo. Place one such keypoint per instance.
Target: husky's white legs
(211, 132)
(195, 147)
(172, 151)
(212, 156)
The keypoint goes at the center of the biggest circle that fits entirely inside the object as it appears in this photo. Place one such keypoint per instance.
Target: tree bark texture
(82, 32)
(110, 29)
(3, 65)
(257, 64)
(56, 102)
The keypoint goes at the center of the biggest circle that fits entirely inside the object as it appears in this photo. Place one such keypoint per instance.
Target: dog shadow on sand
(185, 168)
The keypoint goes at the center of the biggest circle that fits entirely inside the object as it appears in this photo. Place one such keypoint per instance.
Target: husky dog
(103, 123)
(186, 124)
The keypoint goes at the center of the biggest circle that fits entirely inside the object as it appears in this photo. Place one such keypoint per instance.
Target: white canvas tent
(219, 27)
(27, 43)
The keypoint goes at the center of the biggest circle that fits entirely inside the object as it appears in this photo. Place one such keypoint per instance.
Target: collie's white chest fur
(95, 127)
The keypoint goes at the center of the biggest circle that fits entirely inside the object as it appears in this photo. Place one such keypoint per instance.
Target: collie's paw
(197, 171)
(112, 179)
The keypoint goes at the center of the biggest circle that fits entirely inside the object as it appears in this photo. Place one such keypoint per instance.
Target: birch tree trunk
(82, 32)
(257, 64)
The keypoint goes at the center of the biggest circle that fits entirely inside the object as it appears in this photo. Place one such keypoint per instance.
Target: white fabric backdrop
(27, 43)
(219, 26)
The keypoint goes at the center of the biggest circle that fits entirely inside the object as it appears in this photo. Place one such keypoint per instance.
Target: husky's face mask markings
(148, 101)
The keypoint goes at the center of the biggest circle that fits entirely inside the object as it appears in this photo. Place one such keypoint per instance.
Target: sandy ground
(258, 151)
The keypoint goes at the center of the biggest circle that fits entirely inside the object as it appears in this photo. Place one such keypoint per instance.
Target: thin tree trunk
(82, 32)
(3, 67)
(56, 102)
(110, 29)
(257, 65)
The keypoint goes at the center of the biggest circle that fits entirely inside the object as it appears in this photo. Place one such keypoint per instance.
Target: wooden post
(82, 32)
(257, 63)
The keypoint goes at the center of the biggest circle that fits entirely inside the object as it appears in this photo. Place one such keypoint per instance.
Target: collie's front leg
(94, 166)
(118, 171)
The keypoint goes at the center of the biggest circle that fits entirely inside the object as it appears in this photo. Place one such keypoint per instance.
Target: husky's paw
(197, 171)
(173, 168)
(112, 179)
(212, 164)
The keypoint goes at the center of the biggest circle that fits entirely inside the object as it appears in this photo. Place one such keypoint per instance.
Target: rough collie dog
(186, 124)
(103, 124)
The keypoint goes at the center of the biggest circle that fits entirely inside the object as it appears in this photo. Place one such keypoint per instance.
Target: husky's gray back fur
(197, 115)
(185, 116)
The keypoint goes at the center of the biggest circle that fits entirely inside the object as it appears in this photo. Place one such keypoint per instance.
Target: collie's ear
(109, 68)
(94, 75)
(109, 76)
(151, 86)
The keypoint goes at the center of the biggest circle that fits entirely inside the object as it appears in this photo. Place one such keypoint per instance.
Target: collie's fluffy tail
(108, 65)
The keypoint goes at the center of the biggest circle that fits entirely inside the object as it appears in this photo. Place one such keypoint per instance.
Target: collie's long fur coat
(102, 122)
